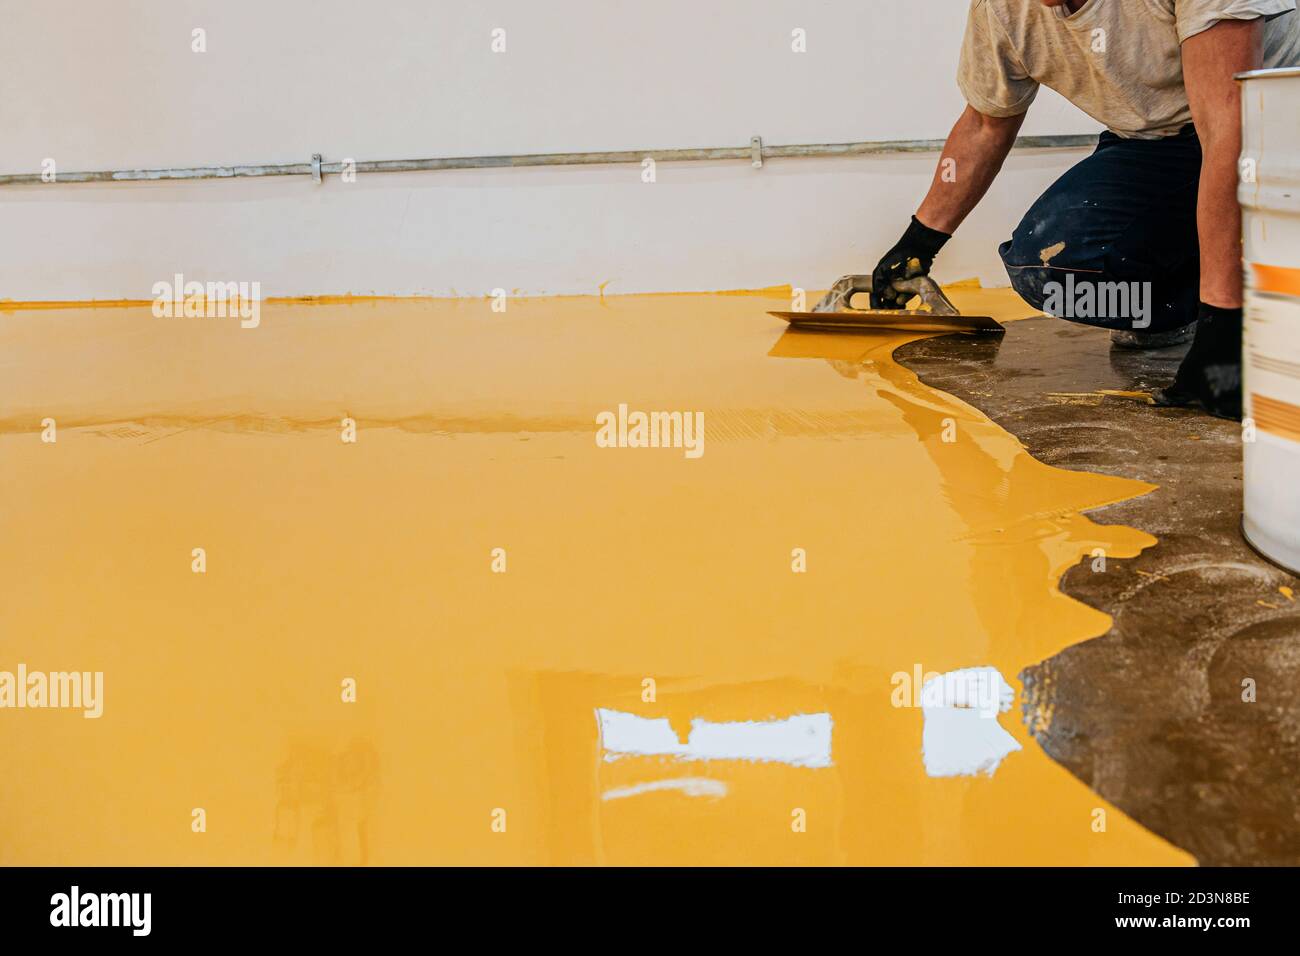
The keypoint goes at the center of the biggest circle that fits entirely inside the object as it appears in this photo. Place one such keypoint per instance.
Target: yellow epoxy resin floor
(932, 542)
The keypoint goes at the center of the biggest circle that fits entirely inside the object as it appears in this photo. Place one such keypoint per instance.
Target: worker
(1152, 212)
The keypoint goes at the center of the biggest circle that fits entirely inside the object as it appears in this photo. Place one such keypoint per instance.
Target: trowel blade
(894, 320)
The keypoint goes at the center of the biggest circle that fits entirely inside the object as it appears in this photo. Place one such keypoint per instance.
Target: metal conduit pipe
(755, 152)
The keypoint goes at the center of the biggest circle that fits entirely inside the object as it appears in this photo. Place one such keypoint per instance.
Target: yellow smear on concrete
(1095, 398)
(636, 579)
(1144, 398)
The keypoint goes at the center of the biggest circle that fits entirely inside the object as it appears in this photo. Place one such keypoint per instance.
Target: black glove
(1210, 376)
(911, 256)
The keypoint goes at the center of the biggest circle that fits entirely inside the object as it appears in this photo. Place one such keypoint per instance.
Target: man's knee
(1028, 280)
(1052, 290)
(1054, 232)
(1032, 285)
(1050, 244)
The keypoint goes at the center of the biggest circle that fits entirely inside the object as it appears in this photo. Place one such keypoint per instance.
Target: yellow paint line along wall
(478, 691)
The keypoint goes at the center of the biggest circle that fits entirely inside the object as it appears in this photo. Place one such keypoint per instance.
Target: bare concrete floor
(1155, 715)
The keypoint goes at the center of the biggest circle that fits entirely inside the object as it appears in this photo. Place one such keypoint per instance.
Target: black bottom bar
(302, 905)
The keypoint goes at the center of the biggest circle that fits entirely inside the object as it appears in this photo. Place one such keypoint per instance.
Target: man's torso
(1117, 60)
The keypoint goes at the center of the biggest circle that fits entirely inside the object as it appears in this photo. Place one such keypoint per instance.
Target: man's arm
(974, 153)
(972, 156)
(1209, 60)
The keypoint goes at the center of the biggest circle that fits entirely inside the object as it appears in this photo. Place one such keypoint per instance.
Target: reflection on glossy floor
(474, 737)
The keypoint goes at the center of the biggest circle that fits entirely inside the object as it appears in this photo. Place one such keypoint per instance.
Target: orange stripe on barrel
(1283, 279)
(1276, 416)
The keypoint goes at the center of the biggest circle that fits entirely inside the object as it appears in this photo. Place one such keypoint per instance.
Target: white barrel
(1269, 193)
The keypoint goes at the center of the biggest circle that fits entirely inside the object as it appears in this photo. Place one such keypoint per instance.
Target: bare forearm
(1218, 221)
(1209, 60)
(974, 153)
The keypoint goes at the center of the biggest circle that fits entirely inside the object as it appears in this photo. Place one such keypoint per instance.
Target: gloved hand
(1210, 376)
(911, 256)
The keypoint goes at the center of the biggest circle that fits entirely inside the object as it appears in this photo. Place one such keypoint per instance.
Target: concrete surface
(1151, 715)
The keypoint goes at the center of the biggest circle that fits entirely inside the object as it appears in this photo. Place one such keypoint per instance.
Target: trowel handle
(929, 292)
(837, 299)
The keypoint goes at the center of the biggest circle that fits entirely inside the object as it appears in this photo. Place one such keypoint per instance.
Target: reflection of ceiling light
(962, 736)
(803, 740)
(690, 786)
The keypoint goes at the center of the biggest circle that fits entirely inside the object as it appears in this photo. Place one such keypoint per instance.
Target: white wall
(96, 84)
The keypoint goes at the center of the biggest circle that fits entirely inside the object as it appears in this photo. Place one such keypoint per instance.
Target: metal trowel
(834, 313)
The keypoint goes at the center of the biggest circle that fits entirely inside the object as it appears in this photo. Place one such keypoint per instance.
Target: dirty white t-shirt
(1117, 60)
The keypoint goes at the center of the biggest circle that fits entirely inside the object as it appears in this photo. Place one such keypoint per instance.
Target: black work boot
(1141, 339)
(1210, 376)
